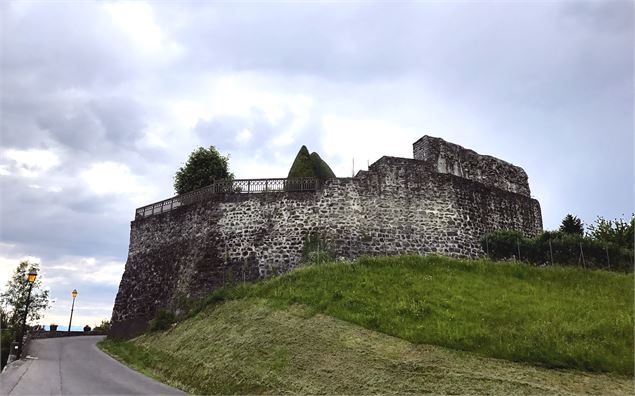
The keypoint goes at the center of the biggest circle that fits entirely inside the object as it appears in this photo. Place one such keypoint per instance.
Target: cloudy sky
(102, 102)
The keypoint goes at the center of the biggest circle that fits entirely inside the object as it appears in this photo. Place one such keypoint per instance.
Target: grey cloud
(93, 125)
(64, 45)
(51, 223)
(608, 16)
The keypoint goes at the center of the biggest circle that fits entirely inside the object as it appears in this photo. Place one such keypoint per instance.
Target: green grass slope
(249, 347)
(330, 328)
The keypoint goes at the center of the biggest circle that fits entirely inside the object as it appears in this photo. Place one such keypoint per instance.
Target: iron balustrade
(243, 186)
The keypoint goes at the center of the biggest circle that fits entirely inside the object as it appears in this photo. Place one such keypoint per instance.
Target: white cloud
(115, 178)
(350, 138)
(29, 163)
(137, 20)
(105, 273)
(8, 263)
(244, 136)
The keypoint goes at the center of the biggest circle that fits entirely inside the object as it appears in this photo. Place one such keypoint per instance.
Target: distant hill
(310, 165)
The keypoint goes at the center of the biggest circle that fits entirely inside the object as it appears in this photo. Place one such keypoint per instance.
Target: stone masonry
(441, 202)
(451, 158)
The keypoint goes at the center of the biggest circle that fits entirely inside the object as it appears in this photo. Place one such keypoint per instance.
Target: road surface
(75, 366)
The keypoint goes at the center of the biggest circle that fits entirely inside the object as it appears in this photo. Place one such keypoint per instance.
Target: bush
(557, 247)
(7, 335)
(162, 321)
(310, 165)
(103, 326)
(315, 250)
(620, 232)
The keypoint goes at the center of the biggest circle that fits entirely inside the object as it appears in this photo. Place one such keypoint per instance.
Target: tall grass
(556, 317)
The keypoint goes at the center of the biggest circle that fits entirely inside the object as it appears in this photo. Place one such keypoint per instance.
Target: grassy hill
(403, 325)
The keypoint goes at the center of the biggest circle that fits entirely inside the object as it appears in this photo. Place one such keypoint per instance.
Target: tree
(13, 304)
(7, 335)
(103, 326)
(616, 231)
(310, 165)
(572, 225)
(202, 168)
(14, 298)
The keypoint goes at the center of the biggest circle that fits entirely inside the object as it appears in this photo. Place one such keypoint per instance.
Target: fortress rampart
(441, 202)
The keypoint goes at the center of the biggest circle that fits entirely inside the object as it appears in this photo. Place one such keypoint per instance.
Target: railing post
(266, 185)
(248, 186)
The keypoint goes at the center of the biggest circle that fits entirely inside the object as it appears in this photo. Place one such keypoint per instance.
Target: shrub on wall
(557, 247)
(310, 165)
(315, 250)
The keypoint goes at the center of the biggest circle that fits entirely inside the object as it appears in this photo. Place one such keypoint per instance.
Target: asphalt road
(75, 366)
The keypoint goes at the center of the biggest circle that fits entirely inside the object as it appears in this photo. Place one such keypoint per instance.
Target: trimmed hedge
(557, 247)
(310, 165)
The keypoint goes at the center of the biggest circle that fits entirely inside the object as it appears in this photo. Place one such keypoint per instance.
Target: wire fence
(581, 252)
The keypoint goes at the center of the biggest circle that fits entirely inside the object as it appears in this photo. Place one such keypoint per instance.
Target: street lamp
(74, 294)
(31, 279)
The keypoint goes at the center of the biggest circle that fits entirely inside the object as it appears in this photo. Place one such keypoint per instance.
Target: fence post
(551, 253)
(582, 255)
(608, 260)
(518, 246)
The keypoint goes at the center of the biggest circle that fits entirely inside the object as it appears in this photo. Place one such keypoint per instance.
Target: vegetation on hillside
(557, 317)
(202, 168)
(310, 165)
(247, 346)
(607, 245)
(618, 231)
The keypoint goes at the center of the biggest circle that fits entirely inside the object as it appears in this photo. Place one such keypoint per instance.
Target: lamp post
(31, 279)
(74, 294)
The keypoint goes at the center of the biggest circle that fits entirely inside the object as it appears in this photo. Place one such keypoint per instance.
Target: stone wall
(444, 157)
(398, 206)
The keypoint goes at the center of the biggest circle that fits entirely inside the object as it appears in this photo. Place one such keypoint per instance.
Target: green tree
(572, 225)
(103, 326)
(14, 298)
(7, 335)
(13, 303)
(202, 168)
(310, 165)
(616, 231)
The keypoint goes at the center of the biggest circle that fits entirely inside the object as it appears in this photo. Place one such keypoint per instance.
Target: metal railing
(243, 186)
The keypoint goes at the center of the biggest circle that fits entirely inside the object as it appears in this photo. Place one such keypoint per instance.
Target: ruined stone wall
(445, 157)
(398, 206)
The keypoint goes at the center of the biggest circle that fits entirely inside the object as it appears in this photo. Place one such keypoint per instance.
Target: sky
(103, 101)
